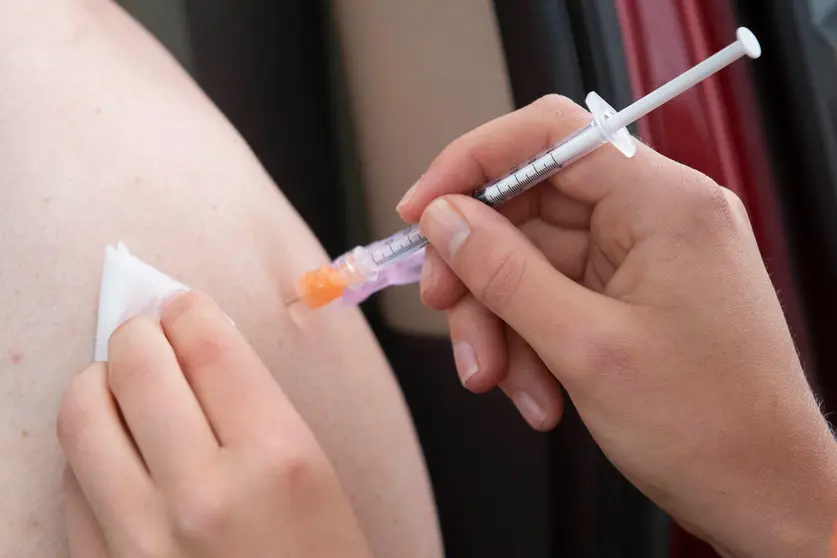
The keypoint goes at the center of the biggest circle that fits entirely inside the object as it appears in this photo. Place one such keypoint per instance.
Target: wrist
(794, 507)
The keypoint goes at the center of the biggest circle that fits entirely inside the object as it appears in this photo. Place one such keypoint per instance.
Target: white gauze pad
(130, 287)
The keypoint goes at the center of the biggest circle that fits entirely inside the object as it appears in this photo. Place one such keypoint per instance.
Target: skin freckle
(24, 433)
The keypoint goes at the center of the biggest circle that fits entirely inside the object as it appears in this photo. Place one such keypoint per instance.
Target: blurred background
(347, 101)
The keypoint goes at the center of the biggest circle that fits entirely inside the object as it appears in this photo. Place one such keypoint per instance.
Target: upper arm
(103, 138)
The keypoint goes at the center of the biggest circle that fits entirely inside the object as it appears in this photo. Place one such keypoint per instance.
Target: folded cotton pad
(130, 287)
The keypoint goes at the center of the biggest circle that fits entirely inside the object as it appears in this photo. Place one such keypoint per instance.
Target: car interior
(346, 102)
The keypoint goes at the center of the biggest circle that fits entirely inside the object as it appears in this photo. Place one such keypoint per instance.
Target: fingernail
(446, 227)
(426, 280)
(529, 409)
(408, 196)
(466, 361)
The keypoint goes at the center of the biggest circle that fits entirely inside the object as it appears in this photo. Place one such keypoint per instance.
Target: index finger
(239, 396)
(494, 149)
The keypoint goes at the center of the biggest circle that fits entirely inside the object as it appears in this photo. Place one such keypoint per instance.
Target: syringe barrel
(542, 166)
(373, 258)
(357, 267)
(367, 269)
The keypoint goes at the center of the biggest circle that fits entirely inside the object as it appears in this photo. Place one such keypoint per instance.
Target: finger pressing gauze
(236, 391)
(99, 451)
(162, 413)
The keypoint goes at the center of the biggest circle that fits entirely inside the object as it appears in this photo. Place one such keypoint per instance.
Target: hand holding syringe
(397, 260)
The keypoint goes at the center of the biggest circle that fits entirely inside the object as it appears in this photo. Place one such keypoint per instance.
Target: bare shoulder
(104, 138)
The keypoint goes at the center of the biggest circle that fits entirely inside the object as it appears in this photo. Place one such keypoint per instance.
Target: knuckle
(201, 351)
(200, 511)
(601, 352)
(291, 467)
(457, 145)
(75, 410)
(129, 373)
(128, 358)
(710, 200)
(706, 204)
(188, 302)
(559, 106)
(465, 147)
(200, 343)
(71, 421)
(67, 426)
(184, 304)
(124, 335)
(736, 204)
(557, 103)
(503, 282)
(608, 353)
(441, 290)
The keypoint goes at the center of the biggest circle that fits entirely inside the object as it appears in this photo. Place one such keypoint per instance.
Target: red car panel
(713, 128)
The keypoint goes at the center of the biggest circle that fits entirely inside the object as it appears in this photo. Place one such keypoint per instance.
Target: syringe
(397, 259)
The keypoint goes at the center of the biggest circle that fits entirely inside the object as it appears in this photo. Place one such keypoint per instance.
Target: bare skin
(637, 286)
(183, 445)
(104, 138)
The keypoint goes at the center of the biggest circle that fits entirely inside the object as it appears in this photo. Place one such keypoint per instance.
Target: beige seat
(419, 74)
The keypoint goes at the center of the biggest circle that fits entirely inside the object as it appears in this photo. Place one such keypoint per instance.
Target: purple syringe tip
(401, 272)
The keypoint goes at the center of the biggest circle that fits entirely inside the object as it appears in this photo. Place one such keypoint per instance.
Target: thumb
(512, 278)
